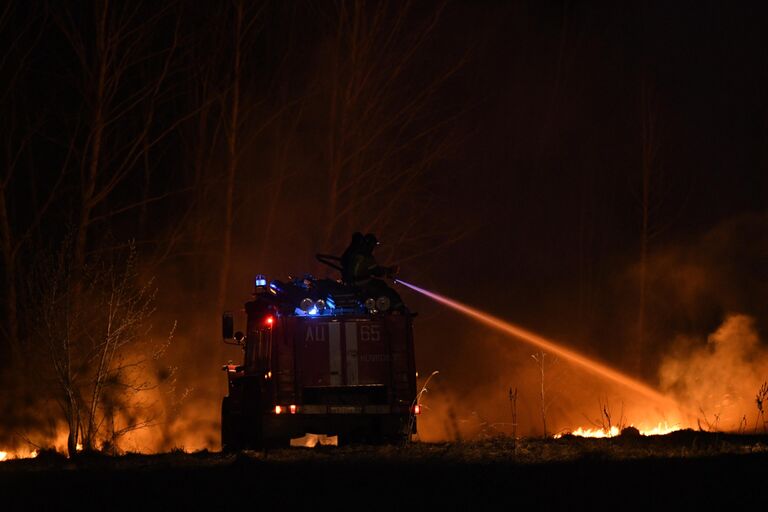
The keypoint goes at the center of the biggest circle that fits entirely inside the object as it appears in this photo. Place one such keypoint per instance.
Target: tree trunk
(649, 148)
(543, 404)
(88, 186)
(643, 277)
(73, 420)
(232, 149)
(9, 263)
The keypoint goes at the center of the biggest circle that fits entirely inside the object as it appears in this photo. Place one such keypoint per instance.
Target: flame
(662, 428)
(593, 432)
(59, 444)
(10, 455)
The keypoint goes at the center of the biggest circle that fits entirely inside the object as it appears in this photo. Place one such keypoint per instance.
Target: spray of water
(549, 346)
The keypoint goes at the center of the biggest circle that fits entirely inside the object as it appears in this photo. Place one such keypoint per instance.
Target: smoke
(722, 378)
(692, 287)
(705, 348)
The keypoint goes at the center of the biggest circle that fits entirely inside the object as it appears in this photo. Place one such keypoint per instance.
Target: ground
(679, 470)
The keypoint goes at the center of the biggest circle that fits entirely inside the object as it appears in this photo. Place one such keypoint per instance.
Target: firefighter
(360, 269)
(349, 257)
(358, 264)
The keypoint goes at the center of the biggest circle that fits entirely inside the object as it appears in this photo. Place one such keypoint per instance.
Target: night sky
(498, 149)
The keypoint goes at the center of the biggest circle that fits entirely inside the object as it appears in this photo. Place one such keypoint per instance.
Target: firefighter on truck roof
(360, 269)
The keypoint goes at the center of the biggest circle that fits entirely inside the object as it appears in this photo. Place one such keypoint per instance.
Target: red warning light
(417, 409)
(269, 320)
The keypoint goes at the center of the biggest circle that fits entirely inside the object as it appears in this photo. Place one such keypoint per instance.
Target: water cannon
(392, 271)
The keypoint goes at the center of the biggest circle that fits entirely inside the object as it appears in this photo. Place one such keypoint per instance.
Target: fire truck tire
(227, 443)
(251, 435)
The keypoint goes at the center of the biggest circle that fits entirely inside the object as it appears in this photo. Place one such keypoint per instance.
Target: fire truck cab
(319, 357)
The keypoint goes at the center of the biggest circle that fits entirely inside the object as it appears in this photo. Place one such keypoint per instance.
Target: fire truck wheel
(229, 443)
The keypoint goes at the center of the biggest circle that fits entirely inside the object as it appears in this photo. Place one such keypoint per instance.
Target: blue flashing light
(261, 280)
(312, 311)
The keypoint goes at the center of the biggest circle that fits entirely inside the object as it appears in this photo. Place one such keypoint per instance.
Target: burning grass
(502, 449)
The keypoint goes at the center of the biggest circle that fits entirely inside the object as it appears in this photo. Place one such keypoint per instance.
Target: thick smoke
(721, 379)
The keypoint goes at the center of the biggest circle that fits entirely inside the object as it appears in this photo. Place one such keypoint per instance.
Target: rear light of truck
(417, 409)
(269, 320)
(292, 409)
(278, 409)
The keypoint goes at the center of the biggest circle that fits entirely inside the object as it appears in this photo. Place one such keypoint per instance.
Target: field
(679, 470)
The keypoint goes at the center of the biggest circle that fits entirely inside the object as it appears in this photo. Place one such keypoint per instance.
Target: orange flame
(660, 429)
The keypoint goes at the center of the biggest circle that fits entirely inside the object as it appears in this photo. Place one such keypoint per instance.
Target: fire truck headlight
(320, 305)
(306, 304)
(370, 304)
(383, 303)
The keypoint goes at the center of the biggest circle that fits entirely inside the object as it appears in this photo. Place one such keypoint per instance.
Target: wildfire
(4, 455)
(59, 444)
(593, 432)
(660, 429)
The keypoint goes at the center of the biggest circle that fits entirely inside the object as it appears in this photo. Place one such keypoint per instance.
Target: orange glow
(593, 432)
(278, 409)
(417, 409)
(659, 430)
(8, 455)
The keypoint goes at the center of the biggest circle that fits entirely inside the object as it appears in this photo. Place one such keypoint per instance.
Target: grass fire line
(590, 365)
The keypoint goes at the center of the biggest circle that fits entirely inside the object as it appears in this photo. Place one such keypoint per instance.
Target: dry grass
(498, 450)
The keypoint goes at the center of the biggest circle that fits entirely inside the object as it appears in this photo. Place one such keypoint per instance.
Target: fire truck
(319, 357)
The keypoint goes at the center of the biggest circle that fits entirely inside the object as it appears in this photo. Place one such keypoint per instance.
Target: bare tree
(539, 358)
(513, 409)
(17, 134)
(380, 146)
(233, 129)
(238, 121)
(762, 395)
(126, 307)
(94, 349)
(120, 110)
(649, 175)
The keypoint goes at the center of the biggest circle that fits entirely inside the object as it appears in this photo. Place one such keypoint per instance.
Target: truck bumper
(349, 426)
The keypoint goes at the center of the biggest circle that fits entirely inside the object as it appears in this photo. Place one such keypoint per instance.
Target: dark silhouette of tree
(91, 347)
(381, 144)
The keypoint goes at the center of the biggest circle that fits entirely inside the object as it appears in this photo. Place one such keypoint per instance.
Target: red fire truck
(319, 357)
